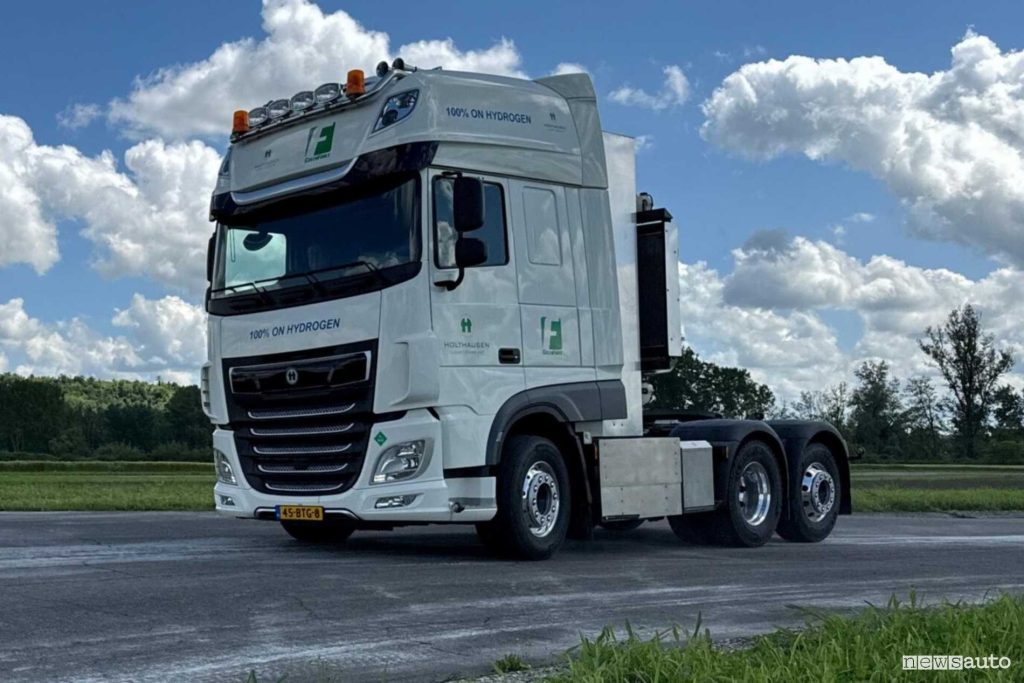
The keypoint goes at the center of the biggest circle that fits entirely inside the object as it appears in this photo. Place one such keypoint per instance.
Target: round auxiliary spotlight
(382, 69)
(302, 100)
(278, 108)
(328, 92)
(258, 116)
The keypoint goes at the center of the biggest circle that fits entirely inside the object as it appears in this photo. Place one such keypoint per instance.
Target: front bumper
(436, 498)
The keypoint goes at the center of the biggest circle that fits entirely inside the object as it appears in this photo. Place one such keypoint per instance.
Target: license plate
(300, 513)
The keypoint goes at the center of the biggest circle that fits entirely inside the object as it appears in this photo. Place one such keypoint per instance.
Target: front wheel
(328, 531)
(814, 503)
(533, 501)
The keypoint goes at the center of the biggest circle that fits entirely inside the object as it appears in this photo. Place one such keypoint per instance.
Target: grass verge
(123, 489)
(865, 647)
(893, 499)
(105, 485)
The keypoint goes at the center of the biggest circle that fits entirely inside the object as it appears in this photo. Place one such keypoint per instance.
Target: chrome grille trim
(302, 488)
(303, 431)
(301, 450)
(300, 412)
(292, 469)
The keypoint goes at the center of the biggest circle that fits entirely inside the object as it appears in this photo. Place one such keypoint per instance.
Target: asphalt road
(193, 597)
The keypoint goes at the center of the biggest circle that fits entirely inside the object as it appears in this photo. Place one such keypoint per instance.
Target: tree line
(84, 417)
(969, 416)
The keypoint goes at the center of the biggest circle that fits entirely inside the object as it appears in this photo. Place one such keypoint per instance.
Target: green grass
(102, 485)
(510, 663)
(892, 499)
(937, 488)
(865, 647)
(120, 487)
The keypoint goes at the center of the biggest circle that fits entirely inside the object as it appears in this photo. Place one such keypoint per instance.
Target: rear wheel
(328, 531)
(814, 504)
(533, 501)
(753, 503)
(695, 528)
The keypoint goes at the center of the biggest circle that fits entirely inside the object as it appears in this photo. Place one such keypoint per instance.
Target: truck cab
(433, 298)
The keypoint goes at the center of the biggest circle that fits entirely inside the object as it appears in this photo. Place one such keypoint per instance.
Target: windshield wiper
(317, 282)
(264, 295)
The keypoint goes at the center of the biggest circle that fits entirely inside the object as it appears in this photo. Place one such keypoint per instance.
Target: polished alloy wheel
(540, 498)
(817, 491)
(754, 494)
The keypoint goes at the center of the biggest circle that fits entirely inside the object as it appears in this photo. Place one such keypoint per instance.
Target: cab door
(546, 283)
(477, 323)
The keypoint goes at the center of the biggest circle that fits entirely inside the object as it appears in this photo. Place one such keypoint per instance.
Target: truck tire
(814, 503)
(533, 501)
(695, 528)
(753, 503)
(328, 531)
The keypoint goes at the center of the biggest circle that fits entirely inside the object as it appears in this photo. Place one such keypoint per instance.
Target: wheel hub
(818, 492)
(540, 499)
(754, 494)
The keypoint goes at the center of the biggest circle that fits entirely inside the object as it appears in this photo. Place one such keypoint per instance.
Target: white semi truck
(434, 297)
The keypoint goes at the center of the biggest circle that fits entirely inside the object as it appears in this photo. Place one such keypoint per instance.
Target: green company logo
(380, 438)
(320, 139)
(467, 326)
(551, 335)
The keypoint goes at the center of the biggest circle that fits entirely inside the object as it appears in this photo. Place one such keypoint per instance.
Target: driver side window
(493, 233)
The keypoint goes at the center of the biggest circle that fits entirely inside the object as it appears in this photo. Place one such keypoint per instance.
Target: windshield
(361, 235)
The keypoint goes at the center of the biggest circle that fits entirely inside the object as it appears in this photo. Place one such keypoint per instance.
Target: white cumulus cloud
(780, 278)
(149, 221)
(675, 90)
(950, 144)
(166, 338)
(303, 47)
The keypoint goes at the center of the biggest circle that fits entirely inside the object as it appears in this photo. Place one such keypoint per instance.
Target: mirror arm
(449, 285)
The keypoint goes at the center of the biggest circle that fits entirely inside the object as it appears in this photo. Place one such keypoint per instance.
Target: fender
(796, 434)
(725, 437)
(566, 403)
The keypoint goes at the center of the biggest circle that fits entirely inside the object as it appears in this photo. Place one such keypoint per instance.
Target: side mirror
(209, 257)
(468, 204)
(470, 252)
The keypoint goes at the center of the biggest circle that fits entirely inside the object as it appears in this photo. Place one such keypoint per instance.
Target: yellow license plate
(300, 513)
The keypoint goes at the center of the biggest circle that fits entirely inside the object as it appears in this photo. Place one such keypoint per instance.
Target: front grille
(302, 420)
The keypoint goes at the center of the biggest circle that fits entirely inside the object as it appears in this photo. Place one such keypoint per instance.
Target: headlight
(401, 461)
(224, 472)
(396, 108)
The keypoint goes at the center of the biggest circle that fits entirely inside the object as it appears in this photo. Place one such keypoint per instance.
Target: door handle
(509, 356)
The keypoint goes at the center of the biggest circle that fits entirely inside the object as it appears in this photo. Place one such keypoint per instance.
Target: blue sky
(68, 54)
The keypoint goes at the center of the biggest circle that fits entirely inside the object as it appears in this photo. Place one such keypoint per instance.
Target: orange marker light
(356, 84)
(240, 122)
